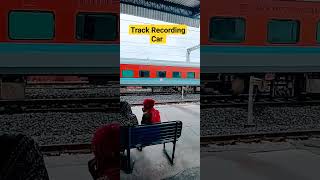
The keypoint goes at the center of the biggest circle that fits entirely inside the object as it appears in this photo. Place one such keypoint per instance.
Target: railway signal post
(253, 81)
(182, 92)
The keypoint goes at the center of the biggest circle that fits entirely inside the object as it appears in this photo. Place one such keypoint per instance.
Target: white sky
(138, 46)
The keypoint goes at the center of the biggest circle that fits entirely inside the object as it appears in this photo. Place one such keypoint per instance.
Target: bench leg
(129, 166)
(166, 153)
(174, 149)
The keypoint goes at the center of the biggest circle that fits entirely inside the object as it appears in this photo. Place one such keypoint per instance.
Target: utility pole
(189, 50)
(253, 81)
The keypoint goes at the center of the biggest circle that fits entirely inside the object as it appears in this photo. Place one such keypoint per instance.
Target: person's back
(155, 116)
(127, 118)
(150, 116)
(21, 159)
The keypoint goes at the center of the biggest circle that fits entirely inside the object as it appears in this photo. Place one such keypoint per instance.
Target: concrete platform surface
(66, 166)
(296, 160)
(151, 163)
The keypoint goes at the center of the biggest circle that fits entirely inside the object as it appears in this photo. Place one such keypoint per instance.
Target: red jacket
(155, 116)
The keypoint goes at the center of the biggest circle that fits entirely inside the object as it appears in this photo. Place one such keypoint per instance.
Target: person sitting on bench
(127, 118)
(106, 149)
(150, 114)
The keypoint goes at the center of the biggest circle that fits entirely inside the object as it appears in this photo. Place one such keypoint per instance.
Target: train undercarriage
(273, 85)
(13, 87)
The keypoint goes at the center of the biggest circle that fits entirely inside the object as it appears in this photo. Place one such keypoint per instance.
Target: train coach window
(227, 29)
(161, 74)
(283, 31)
(96, 27)
(34, 25)
(127, 73)
(145, 74)
(176, 74)
(191, 75)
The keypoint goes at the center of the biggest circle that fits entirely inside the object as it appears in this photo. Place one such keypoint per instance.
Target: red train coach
(60, 21)
(45, 37)
(260, 36)
(260, 22)
(158, 71)
(59, 33)
(139, 72)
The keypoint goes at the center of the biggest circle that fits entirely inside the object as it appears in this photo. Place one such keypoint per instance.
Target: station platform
(151, 163)
(294, 160)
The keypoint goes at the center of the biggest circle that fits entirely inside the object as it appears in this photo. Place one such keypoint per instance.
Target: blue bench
(148, 135)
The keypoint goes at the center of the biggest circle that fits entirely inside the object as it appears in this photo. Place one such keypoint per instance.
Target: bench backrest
(146, 135)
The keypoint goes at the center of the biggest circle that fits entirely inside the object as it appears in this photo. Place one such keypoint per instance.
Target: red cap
(148, 103)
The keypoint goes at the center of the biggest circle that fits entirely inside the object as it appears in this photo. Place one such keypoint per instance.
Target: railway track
(168, 102)
(258, 137)
(152, 93)
(146, 93)
(207, 102)
(52, 83)
(66, 83)
(109, 104)
(70, 87)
